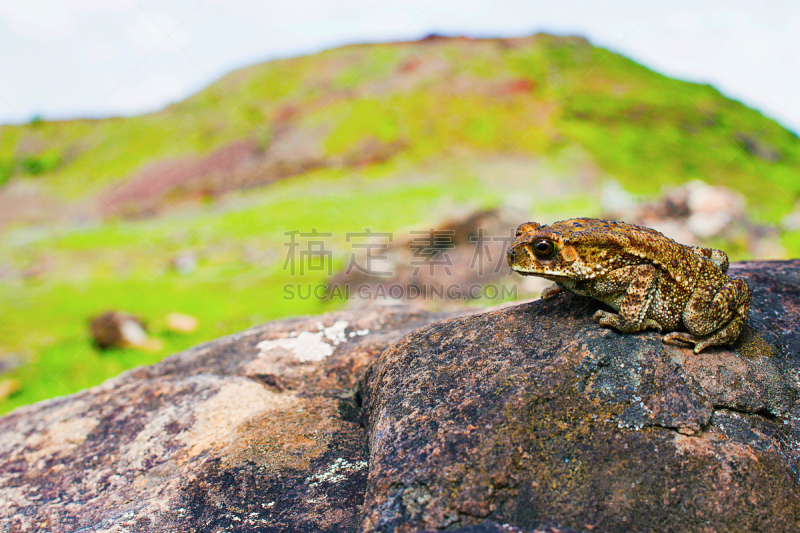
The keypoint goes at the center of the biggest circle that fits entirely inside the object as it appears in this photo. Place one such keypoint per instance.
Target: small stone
(181, 323)
(116, 329)
(185, 263)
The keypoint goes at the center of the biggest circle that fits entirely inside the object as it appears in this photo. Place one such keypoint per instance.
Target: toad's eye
(543, 249)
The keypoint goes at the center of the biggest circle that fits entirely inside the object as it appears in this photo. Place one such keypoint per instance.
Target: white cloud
(144, 36)
(99, 54)
(145, 94)
(54, 21)
(50, 20)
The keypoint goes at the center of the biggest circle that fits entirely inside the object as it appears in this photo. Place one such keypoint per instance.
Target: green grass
(66, 362)
(365, 119)
(791, 241)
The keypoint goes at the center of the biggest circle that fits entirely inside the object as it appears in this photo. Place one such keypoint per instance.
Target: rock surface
(535, 417)
(254, 432)
(526, 419)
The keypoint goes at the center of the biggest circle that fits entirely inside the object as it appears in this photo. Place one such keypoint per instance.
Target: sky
(97, 58)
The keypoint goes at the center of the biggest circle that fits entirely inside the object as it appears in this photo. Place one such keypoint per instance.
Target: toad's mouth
(542, 273)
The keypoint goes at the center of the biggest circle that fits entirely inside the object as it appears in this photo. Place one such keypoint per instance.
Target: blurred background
(171, 172)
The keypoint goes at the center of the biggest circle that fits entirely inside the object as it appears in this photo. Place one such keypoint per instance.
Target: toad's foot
(613, 320)
(551, 291)
(700, 342)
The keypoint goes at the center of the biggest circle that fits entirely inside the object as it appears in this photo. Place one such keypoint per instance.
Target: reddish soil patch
(239, 165)
(517, 86)
(190, 177)
(22, 201)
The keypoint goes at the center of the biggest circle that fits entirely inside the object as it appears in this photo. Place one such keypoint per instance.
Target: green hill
(388, 137)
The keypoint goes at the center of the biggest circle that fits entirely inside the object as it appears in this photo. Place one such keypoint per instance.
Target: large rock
(529, 418)
(254, 432)
(534, 416)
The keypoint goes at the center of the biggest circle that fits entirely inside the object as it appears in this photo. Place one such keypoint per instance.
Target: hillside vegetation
(389, 137)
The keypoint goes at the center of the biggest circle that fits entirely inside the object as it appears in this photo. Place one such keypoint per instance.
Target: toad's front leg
(636, 286)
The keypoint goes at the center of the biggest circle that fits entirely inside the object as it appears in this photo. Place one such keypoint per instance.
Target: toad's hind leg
(718, 257)
(715, 318)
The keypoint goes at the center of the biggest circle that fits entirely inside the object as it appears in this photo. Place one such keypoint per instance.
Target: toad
(651, 281)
